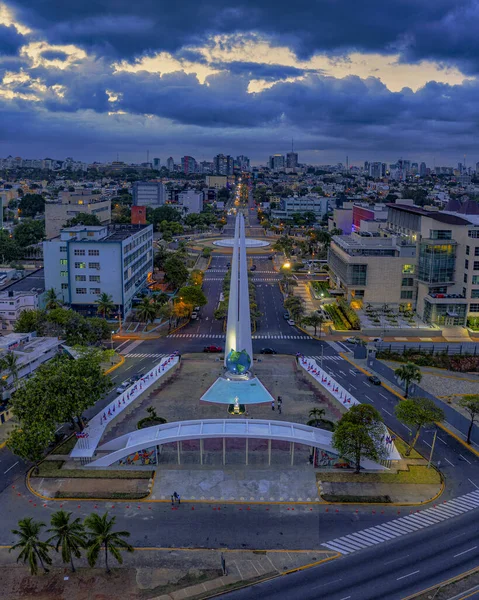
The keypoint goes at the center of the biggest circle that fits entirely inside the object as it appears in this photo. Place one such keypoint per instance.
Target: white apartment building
(191, 200)
(85, 262)
(148, 193)
(72, 204)
(300, 204)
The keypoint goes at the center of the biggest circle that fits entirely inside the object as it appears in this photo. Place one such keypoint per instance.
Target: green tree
(10, 363)
(105, 305)
(31, 205)
(29, 443)
(32, 549)
(146, 311)
(101, 535)
(68, 535)
(31, 320)
(9, 249)
(416, 413)
(83, 219)
(206, 252)
(51, 299)
(176, 272)
(196, 277)
(192, 294)
(295, 306)
(166, 312)
(29, 232)
(408, 373)
(358, 435)
(314, 320)
(315, 416)
(470, 403)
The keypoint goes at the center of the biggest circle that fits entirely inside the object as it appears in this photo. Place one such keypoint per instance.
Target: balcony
(446, 298)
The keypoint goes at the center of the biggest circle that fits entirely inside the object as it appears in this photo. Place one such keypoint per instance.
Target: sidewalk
(158, 574)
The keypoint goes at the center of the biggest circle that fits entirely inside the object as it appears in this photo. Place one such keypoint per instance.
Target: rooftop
(35, 281)
(451, 218)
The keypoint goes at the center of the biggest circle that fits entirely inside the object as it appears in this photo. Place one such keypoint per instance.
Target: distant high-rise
(188, 165)
(292, 160)
(223, 165)
(243, 163)
(376, 170)
(477, 168)
(170, 164)
(276, 162)
(422, 169)
(156, 163)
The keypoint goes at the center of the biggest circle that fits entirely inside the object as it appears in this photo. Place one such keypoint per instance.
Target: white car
(123, 386)
(194, 315)
(290, 322)
(352, 340)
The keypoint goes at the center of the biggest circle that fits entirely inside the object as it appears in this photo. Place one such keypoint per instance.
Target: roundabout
(249, 243)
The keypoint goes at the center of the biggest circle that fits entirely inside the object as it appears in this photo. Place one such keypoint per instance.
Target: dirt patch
(91, 488)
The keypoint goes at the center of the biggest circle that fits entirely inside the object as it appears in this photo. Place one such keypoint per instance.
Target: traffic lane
(12, 468)
(390, 570)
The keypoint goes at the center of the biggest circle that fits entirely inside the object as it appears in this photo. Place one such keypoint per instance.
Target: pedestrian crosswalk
(280, 336)
(255, 279)
(332, 357)
(226, 270)
(134, 355)
(390, 530)
(197, 335)
(268, 336)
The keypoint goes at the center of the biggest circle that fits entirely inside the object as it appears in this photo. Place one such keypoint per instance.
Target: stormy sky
(373, 80)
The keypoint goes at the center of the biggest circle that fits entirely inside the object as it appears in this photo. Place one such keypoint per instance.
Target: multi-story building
(216, 182)
(191, 201)
(292, 160)
(18, 295)
(276, 162)
(170, 164)
(223, 165)
(85, 262)
(156, 163)
(300, 204)
(188, 165)
(148, 193)
(376, 170)
(243, 163)
(423, 169)
(72, 204)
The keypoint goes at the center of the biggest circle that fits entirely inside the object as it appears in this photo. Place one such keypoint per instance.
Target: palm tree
(316, 416)
(10, 363)
(166, 312)
(69, 535)
(146, 311)
(314, 320)
(408, 373)
(101, 535)
(32, 548)
(105, 305)
(52, 300)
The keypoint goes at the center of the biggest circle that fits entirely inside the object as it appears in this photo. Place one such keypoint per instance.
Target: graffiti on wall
(328, 460)
(141, 458)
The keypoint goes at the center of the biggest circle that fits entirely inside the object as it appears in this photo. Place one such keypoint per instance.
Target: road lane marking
(427, 444)
(476, 486)
(385, 397)
(395, 560)
(441, 440)
(408, 575)
(327, 583)
(353, 386)
(464, 458)
(387, 412)
(452, 464)
(345, 598)
(10, 468)
(365, 383)
(464, 552)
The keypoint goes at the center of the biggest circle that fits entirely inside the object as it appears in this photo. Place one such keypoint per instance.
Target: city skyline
(119, 78)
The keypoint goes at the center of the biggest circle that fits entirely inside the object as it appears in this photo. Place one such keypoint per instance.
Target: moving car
(379, 340)
(268, 351)
(194, 315)
(291, 322)
(124, 386)
(212, 349)
(137, 377)
(352, 340)
(374, 380)
(253, 268)
(286, 316)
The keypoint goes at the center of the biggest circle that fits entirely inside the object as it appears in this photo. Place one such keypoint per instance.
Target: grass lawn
(66, 447)
(415, 474)
(402, 447)
(53, 468)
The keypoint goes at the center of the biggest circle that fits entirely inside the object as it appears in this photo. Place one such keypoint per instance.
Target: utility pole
(432, 449)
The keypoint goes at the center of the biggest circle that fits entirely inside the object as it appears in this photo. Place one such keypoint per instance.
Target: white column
(244, 309)
(231, 341)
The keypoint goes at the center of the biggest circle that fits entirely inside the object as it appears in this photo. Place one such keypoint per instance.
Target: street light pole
(322, 354)
(432, 449)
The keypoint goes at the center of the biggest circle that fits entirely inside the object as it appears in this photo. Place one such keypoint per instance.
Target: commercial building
(292, 160)
(27, 293)
(223, 165)
(72, 204)
(276, 162)
(85, 262)
(300, 204)
(170, 164)
(188, 165)
(216, 182)
(191, 201)
(148, 193)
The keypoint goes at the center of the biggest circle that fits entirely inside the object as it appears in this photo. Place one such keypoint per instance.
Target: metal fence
(467, 349)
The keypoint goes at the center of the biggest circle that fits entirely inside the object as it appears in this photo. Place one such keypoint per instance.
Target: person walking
(272, 405)
(279, 408)
(179, 499)
(280, 401)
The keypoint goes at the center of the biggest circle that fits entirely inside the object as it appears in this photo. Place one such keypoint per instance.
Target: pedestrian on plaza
(172, 501)
(175, 496)
(280, 401)
(279, 408)
(179, 499)
(272, 405)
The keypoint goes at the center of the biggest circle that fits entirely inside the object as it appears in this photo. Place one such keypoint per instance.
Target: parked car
(291, 322)
(268, 351)
(228, 265)
(124, 386)
(270, 257)
(137, 377)
(286, 316)
(212, 349)
(194, 315)
(374, 380)
(379, 340)
(253, 268)
(353, 340)
(197, 309)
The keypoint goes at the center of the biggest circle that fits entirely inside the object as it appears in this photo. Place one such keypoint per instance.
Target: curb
(114, 367)
(445, 582)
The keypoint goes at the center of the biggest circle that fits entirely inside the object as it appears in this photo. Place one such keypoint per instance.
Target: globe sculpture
(238, 362)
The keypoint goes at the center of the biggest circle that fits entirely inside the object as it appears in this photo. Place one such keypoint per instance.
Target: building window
(476, 251)
(359, 274)
(64, 286)
(63, 273)
(474, 294)
(63, 261)
(80, 277)
(79, 252)
(466, 264)
(81, 290)
(406, 294)
(468, 250)
(93, 253)
(407, 282)
(80, 265)
(465, 277)
(95, 291)
(476, 265)
(475, 280)
(94, 265)
(474, 308)
(63, 248)
(95, 278)
(440, 234)
(473, 233)
(408, 269)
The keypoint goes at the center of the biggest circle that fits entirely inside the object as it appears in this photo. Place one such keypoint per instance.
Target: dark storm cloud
(10, 40)
(264, 71)
(126, 29)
